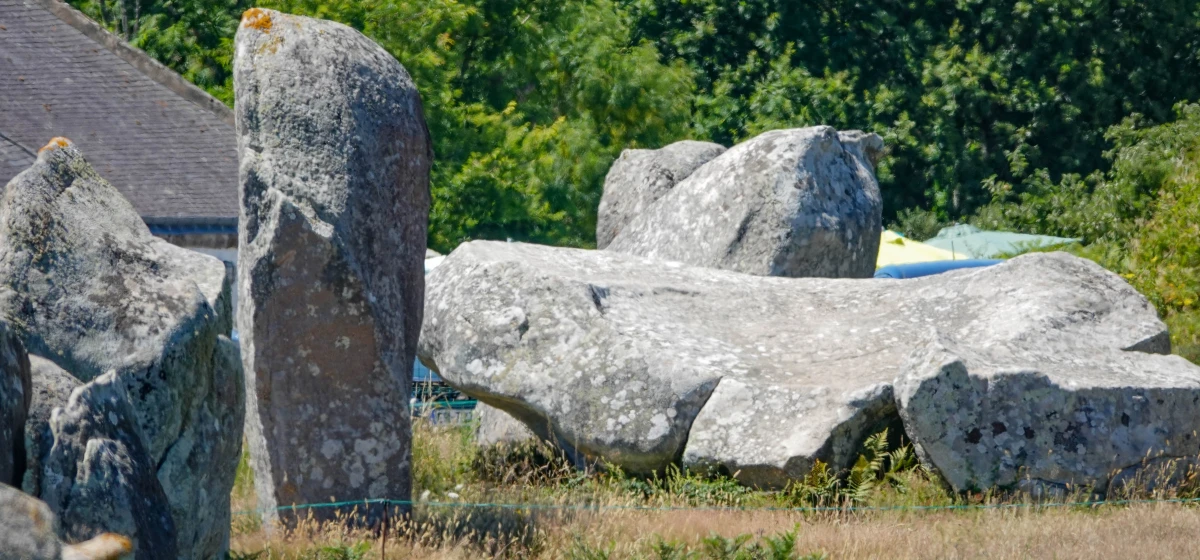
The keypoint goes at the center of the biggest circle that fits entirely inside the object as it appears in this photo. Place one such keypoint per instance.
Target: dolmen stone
(1044, 363)
(29, 531)
(334, 170)
(640, 177)
(800, 203)
(85, 286)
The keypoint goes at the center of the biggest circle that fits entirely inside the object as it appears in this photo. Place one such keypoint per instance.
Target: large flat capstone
(798, 202)
(334, 163)
(643, 362)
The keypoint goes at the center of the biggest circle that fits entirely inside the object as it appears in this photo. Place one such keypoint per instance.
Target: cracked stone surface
(640, 177)
(85, 285)
(643, 362)
(799, 202)
(334, 162)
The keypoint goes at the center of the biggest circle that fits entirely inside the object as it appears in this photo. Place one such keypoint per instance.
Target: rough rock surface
(640, 177)
(494, 426)
(29, 531)
(643, 362)
(85, 285)
(52, 387)
(334, 171)
(15, 395)
(98, 476)
(800, 202)
(1064, 413)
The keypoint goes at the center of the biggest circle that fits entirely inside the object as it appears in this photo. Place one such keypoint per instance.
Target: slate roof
(168, 146)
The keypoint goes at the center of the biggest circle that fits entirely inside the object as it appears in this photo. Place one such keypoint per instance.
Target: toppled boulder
(15, 395)
(29, 531)
(800, 202)
(85, 285)
(643, 363)
(640, 177)
(334, 171)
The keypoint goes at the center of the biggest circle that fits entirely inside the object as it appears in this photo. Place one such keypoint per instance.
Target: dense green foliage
(530, 101)
(971, 95)
(1064, 117)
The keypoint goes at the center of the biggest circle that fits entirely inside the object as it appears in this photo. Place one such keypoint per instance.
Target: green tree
(970, 94)
(192, 37)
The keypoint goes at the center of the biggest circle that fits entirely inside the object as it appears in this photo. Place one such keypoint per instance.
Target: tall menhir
(334, 160)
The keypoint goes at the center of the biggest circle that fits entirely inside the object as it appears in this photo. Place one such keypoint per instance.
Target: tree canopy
(1001, 111)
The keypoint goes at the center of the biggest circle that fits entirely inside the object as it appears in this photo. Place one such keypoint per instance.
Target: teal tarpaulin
(973, 243)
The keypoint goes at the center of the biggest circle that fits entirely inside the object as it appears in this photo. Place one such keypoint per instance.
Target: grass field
(680, 516)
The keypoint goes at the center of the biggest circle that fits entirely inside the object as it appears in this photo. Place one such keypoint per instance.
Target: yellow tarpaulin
(894, 249)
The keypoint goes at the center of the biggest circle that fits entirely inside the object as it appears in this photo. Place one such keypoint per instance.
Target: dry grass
(447, 465)
(1144, 531)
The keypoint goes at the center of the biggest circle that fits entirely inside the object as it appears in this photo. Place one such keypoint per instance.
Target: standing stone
(334, 170)
(16, 391)
(640, 177)
(801, 203)
(86, 286)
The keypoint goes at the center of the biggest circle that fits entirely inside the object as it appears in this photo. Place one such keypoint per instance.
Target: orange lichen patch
(56, 142)
(257, 18)
(108, 546)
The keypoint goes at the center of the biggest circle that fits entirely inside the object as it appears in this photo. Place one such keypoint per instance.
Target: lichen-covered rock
(640, 177)
(334, 169)
(494, 426)
(98, 476)
(800, 202)
(29, 531)
(642, 362)
(16, 390)
(52, 387)
(85, 285)
(1063, 413)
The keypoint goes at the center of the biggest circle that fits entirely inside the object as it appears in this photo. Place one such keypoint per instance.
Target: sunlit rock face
(799, 202)
(1046, 363)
